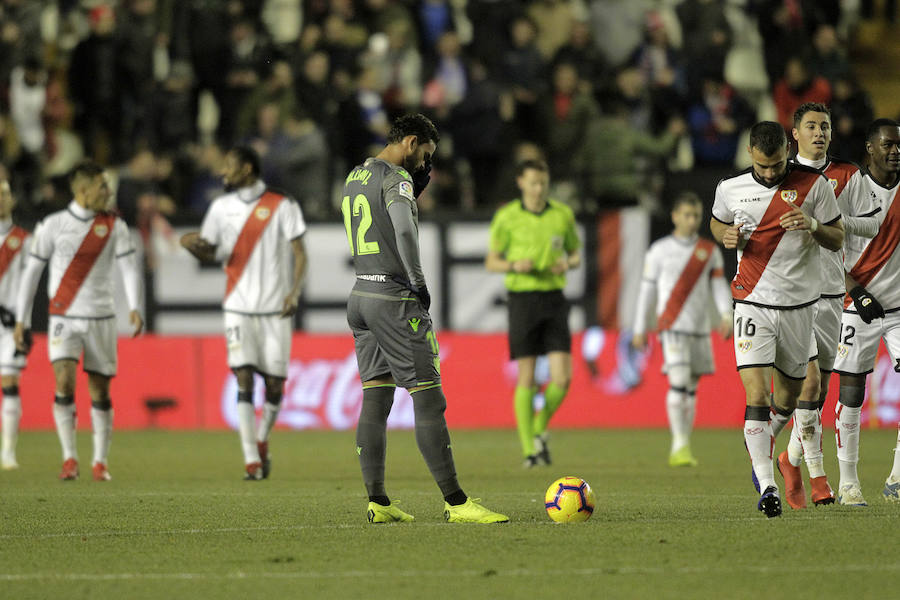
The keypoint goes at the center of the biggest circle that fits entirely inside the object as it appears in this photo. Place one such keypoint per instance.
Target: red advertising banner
(184, 383)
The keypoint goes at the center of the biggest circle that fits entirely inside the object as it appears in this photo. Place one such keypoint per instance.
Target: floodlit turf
(178, 522)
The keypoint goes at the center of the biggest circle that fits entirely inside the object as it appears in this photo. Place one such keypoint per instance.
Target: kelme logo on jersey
(745, 345)
(788, 195)
(262, 213)
(101, 230)
(414, 323)
(13, 242)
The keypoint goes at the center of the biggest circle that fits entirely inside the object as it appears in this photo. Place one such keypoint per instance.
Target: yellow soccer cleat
(387, 514)
(472, 512)
(682, 458)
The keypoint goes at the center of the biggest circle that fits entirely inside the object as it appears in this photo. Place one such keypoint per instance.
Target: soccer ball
(569, 500)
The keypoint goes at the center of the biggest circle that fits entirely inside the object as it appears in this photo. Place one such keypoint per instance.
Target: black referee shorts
(538, 323)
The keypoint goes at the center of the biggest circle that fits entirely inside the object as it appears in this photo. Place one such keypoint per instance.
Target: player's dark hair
(531, 163)
(415, 124)
(87, 169)
(247, 156)
(806, 107)
(874, 129)
(687, 197)
(768, 137)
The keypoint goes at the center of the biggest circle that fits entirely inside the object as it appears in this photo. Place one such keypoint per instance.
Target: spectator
(94, 84)
(27, 101)
(554, 19)
(707, 39)
(797, 87)
(851, 114)
(661, 66)
(716, 121)
(448, 86)
(138, 35)
(401, 64)
(276, 90)
(171, 122)
(250, 53)
(523, 73)
(296, 160)
(566, 113)
(581, 51)
(828, 59)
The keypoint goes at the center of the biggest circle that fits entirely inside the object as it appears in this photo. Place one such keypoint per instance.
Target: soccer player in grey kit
(388, 314)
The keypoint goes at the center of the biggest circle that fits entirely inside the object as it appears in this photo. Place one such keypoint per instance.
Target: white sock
(267, 422)
(778, 421)
(758, 436)
(675, 401)
(895, 472)
(795, 446)
(64, 415)
(246, 424)
(102, 423)
(11, 414)
(690, 410)
(809, 424)
(847, 437)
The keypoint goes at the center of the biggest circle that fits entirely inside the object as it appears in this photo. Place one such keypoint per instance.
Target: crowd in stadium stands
(616, 93)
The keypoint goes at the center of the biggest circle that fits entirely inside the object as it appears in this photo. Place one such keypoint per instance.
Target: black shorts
(538, 323)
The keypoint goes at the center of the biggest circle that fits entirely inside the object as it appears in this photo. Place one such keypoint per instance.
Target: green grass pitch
(177, 522)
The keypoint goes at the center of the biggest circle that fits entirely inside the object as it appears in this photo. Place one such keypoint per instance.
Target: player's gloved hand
(28, 342)
(421, 178)
(7, 317)
(866, 305)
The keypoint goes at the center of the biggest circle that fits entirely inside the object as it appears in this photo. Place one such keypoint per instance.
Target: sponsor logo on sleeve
(406, 190)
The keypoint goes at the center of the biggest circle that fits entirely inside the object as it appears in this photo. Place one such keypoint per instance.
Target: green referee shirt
(517, 233)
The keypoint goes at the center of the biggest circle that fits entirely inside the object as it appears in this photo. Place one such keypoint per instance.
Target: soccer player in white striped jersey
(874, 283)
(682, 274)
(257, 233)
(812, 131)
(13, 243)
(82, 245)
(777, 215)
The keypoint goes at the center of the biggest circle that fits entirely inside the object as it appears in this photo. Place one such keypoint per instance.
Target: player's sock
(64, 416)
(895, 472)
(779, 417)
(523, 404)
(675, 401)
(809, 425)
(11, 415)
(690, 410)
(371, 439)
(433, 438)
(759, 440)
(271, 407)
(795, 445)
(246, 413)
(101, 419)
(553, 397)
(846, 431)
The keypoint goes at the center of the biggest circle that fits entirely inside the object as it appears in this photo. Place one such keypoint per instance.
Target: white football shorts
(694, 350)
(10, 364)
(769, 337)
(259, 341)
(858, 346)
(68, 338)
(828, 329)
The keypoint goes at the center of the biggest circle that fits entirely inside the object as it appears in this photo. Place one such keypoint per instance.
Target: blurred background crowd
(617, 95)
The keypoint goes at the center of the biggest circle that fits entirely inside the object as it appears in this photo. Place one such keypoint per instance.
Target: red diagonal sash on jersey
(839, 175)
(880, 248)
(253, 229)
(768, 233)
(91, 247)
(11, 246)
(701, 254)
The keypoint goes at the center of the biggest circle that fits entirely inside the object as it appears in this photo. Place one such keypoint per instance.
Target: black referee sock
(371, 439)
(433, 439)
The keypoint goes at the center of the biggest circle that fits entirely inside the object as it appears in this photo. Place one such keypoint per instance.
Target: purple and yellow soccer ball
(569, 500)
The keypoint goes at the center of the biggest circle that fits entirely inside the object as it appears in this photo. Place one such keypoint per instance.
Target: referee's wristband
(813, 225)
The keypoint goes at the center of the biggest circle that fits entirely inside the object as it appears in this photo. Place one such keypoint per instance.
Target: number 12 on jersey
(362, 210)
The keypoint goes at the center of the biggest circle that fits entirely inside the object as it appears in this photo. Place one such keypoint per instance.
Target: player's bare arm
(293, 297)
(496, 263)
(565, 263)
(200, 248)
(134, 317)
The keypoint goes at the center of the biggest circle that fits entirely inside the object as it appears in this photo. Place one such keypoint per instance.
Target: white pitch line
(413, 573)
(540, 523)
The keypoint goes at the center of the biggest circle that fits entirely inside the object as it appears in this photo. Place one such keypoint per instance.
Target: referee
(533, 240)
